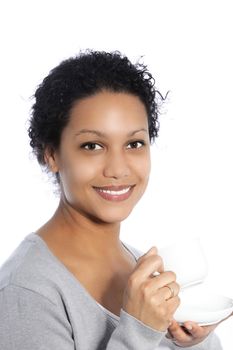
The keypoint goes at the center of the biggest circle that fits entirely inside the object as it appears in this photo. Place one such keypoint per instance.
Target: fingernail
(151, 251)
(189, 327)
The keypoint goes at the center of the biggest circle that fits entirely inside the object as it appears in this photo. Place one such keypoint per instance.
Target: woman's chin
(112, 217)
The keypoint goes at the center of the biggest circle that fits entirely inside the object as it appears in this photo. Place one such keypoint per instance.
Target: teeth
(115, 193)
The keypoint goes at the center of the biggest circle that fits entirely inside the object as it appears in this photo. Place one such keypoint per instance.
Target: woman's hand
(152, 300)
(189, 334)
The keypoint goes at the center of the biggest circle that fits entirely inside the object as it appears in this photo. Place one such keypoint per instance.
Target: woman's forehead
(109, 110)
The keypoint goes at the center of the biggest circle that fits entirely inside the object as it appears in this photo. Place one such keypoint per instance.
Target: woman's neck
(70, 232)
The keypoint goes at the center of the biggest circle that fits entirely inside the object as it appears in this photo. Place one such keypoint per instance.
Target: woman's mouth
(115, 193)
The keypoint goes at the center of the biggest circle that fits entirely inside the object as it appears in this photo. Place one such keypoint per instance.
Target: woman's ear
(50, 159)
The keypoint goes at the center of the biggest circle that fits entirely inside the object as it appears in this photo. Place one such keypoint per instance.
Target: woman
(73, 284)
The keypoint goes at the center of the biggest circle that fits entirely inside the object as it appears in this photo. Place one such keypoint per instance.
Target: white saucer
(202, 307)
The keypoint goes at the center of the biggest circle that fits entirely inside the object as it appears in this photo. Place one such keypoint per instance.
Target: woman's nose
(116, 165)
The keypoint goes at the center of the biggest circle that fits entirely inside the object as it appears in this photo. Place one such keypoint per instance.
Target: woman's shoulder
(31, 267)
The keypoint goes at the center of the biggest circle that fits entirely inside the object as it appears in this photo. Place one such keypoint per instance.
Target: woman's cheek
(86, 172)
(143, 167)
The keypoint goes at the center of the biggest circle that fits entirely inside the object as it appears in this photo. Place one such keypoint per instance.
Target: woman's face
(104, 156)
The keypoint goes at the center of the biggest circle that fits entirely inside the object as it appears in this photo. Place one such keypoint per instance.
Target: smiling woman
(93, 161)
(73, 284)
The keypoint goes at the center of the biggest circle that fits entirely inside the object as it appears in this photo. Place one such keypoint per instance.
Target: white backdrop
(188, 47)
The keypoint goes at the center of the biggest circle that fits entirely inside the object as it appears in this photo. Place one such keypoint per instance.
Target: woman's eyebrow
(101, 134)
(135, 131)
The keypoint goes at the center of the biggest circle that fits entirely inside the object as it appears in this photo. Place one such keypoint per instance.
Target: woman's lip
(113, 188)
(114, 197)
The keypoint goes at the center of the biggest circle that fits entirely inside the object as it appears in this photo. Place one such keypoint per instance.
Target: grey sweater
(44, 307)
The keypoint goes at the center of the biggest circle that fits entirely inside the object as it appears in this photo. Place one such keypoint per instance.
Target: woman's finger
(165, 279)
(173, 304)
(167, 292)
(146, 266)
(198, 331)
(178, 333)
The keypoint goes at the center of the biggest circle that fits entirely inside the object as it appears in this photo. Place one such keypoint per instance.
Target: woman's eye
(91, 146)
(136, 144)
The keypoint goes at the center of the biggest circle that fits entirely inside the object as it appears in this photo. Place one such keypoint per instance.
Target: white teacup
(186, 258)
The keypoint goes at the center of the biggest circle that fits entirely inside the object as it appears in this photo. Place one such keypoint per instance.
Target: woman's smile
(115, 193)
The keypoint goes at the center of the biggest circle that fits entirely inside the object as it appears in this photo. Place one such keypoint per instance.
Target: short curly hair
(81, 76)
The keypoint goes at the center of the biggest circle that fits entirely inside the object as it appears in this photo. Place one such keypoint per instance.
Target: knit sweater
(43, 306)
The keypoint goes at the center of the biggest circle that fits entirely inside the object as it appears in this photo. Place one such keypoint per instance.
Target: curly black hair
(82, 76)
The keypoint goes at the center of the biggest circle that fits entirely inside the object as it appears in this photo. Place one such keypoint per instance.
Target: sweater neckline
(58, 261)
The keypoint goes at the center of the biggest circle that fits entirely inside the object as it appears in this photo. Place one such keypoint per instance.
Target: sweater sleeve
(29, 320)
(25, 324)
(132, 334)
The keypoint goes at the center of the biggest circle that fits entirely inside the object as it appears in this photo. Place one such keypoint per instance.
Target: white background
(188, 48)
